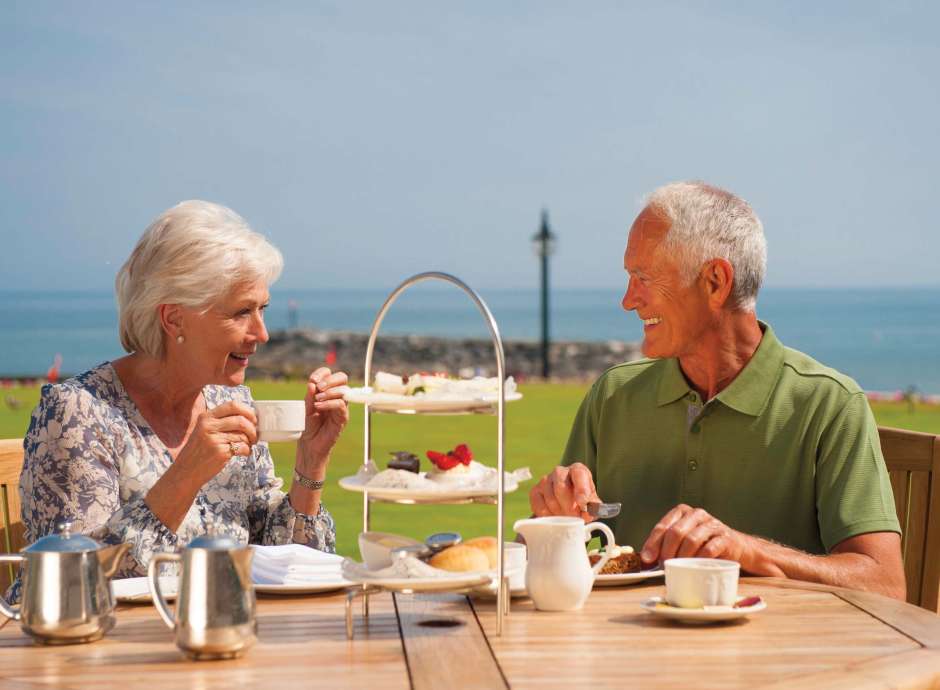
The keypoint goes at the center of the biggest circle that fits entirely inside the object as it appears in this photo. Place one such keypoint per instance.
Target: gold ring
(233, 446)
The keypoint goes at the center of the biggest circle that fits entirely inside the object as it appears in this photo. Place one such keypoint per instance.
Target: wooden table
(810, 636)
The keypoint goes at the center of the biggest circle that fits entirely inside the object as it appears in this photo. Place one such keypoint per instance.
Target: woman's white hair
(193, 254)
(709, 223)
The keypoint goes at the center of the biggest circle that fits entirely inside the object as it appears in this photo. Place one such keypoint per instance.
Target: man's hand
(564, 491)
(686, 532)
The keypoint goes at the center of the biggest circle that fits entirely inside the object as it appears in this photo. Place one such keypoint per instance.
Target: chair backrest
(11, 524)
(913, 460)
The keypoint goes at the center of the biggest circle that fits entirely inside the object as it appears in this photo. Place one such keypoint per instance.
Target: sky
(373, 140)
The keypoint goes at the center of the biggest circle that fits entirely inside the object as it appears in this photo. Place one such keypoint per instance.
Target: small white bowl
(376, 548)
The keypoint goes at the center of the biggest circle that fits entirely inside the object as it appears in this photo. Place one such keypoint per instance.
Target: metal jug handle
(153, 582)
(5, 608)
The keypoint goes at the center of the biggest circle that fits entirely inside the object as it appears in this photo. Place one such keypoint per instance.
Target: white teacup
(514, 559)
(692, 583)
(280, 420)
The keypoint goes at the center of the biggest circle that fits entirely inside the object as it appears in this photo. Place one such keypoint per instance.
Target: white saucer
(712, 614)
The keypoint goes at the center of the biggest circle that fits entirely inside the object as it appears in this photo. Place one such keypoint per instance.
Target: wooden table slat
(444, 644)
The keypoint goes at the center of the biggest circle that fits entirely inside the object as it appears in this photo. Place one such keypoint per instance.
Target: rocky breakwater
(294, 353)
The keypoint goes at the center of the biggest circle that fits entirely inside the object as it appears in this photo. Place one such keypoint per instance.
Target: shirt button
(693, 465)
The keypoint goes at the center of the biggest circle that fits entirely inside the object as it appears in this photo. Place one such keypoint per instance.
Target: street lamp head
(543, 242)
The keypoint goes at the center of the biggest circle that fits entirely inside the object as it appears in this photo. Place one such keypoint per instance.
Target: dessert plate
(617, 579)
(314, 587)
(136, 589)
(454, 583)
(391, 402)
(488, 591)
(447, 492)
(710, 614)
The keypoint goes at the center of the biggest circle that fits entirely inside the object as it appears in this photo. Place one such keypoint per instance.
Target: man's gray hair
(709, 223)
(193, 254)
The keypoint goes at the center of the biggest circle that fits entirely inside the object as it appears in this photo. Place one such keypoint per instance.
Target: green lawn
(536, 430)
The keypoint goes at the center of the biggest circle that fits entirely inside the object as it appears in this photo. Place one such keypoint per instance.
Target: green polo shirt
(789, 451)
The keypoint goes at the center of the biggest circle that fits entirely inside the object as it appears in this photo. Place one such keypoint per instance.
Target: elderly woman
(161, 445)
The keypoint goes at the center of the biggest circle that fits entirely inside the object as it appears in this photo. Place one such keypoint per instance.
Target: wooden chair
(913, 460)
(11, 524)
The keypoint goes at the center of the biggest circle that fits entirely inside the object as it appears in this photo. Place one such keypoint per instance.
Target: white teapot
(559, 576)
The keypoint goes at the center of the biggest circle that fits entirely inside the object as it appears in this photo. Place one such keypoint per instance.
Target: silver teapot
(215, 606)
(66, 595)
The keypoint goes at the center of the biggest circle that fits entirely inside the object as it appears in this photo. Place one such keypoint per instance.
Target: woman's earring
(180, 339)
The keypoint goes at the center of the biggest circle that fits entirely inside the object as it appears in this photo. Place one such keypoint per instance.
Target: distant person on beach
(52, 374)
(725, 443)
(160, 446)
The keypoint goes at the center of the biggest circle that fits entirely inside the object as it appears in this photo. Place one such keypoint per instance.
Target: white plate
(456, 582)
(306, 588)
(354, 483)
(136, 589)
(390, 402)
(713, 614)
(626, 578)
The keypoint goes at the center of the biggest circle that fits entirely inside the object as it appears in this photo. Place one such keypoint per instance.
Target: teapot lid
(214, 542)
(63, 541)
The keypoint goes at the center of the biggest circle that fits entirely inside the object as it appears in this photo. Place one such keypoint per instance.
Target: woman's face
(218, 342)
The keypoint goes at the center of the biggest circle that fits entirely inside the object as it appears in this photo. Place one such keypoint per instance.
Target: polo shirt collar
(749, 391)
(672, 384)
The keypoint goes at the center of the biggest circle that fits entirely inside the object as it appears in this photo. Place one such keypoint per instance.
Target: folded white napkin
(294, 564)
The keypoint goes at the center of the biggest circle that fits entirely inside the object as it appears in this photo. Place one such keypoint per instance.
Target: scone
(460, 558)
(622, 560)
(487, 545)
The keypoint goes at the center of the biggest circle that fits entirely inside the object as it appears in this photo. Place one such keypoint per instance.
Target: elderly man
(725, 443)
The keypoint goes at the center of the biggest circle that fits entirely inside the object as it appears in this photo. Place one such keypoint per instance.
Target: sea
(886, 339)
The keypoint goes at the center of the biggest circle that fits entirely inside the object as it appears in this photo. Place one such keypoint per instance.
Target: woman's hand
(327, 415)
(218, 435)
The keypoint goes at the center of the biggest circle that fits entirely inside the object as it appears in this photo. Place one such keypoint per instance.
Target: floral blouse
(91, 458)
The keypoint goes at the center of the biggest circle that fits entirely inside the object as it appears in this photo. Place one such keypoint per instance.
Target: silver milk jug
(66, 596)
(215, 606)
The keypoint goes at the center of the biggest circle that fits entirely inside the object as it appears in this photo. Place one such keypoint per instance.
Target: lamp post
(543, 242)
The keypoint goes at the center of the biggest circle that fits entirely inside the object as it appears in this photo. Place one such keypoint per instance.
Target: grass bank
(536, 431)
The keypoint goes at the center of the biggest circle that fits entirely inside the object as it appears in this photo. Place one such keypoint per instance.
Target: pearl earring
(180, 339)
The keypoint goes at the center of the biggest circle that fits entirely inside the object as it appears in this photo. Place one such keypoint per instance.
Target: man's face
(674, 314)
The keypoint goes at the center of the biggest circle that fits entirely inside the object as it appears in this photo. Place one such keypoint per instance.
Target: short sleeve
(582, 440)
(853, 490)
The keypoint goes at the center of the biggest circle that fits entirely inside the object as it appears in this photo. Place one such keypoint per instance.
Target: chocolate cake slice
(623, 560)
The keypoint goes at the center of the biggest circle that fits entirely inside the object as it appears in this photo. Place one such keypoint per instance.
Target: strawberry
(460, 455)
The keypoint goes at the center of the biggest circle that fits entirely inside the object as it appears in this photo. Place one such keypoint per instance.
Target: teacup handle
(153, 582)
(590, 527)
(5, 608)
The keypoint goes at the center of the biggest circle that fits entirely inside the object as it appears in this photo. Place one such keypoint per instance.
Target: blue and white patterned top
(91, 458)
